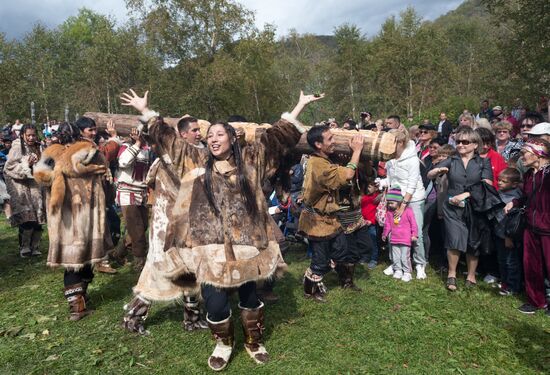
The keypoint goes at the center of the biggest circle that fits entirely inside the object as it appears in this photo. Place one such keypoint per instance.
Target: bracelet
(352, 166)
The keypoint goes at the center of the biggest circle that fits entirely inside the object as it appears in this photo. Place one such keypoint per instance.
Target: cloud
(306, 16)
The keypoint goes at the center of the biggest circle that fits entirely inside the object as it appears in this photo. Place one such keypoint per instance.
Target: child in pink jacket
(402, 232)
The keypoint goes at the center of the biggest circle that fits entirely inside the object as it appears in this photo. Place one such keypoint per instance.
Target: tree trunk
(377, 146)
(256, 99)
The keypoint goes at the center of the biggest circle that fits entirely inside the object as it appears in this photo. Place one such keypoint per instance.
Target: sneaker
(25, 253)
(372, 265)
(505, 291)
(36, 253)
(398, 274)
(406, 277)
(490, 279)
(527, 308)
(388, 271)
(547, 313)
(420, 272)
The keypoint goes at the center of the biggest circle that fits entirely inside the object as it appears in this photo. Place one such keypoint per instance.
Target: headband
(536, 149)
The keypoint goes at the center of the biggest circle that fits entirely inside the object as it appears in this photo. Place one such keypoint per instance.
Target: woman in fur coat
(215, 232)
(26, 196)
(74, 173)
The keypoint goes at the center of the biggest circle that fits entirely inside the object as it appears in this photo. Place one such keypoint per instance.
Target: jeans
(373, 234)
(419, 255)
(510, 265)
(359, 245)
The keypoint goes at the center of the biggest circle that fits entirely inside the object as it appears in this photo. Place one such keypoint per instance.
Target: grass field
(391, 327)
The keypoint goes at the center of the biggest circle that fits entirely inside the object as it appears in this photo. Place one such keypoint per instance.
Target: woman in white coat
(404, 172)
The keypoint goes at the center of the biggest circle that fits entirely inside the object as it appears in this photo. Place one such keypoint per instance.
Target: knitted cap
(394, 195)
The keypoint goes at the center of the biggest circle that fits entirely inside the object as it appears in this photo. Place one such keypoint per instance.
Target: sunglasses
(423, 132)
(529, 126)
(464, 142)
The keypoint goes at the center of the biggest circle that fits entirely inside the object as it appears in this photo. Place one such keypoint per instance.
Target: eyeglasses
(529, 126)
(464, 142)
(502, 131)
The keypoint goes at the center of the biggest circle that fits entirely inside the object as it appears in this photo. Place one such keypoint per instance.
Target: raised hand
(303, 101)
(306, 99)
(134, 100)
(111, 128)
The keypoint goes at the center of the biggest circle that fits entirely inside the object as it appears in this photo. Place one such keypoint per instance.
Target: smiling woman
(465, 170)
(211, 218)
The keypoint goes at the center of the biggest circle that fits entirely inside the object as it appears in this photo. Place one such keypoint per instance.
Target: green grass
(391, 327)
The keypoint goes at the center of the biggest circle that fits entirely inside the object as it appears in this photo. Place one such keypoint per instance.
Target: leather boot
(192, 314)
(119, 253)
(25, 250)
(314, 287)
(138, 264)
(253, 327)
(345, 275)
(135, 314)
(35, 242)
(224, 334)
(77, 304)
(105, 267)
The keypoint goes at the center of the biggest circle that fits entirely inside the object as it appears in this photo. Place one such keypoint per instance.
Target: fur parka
(190, 244)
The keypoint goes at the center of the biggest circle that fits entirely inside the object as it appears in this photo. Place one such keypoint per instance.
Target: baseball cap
(542, 128)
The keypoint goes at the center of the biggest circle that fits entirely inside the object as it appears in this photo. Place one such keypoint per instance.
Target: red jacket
(498, 164)
(368, 207)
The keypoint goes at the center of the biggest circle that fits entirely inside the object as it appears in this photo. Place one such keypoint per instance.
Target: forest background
(207, 58)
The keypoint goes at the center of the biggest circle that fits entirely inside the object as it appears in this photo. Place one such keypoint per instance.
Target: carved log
(378, 146)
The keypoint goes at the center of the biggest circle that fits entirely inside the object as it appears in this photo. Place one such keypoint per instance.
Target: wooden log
(378, 146)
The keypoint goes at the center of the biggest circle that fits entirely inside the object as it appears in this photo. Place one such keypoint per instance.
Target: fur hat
(394, 195)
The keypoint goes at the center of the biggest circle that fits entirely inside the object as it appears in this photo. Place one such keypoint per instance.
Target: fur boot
(77, 304)
(253, 327)
(314, 287)
(345, 275)
(192, 314)
(119, 253)
(135, 315)
(25, 243)
(35, 242)
(224, 334)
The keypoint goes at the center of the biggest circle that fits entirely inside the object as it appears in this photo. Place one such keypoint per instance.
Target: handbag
(381, 209)
(515, 223)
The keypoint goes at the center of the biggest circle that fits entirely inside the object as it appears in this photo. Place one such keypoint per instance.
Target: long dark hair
(67, 133)
(24, 145)
(245, 190)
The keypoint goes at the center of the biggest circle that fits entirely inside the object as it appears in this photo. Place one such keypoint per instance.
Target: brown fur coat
(189, 243)
(77, 225)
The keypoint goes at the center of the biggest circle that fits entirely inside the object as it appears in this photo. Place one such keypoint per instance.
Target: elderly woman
(535, 155)
(211, 218)
(505, 145)
(464, 171)
(404, 171)
(426, 133)
(26, 196)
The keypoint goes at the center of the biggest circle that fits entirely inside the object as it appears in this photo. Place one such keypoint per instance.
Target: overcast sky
(311, 16)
